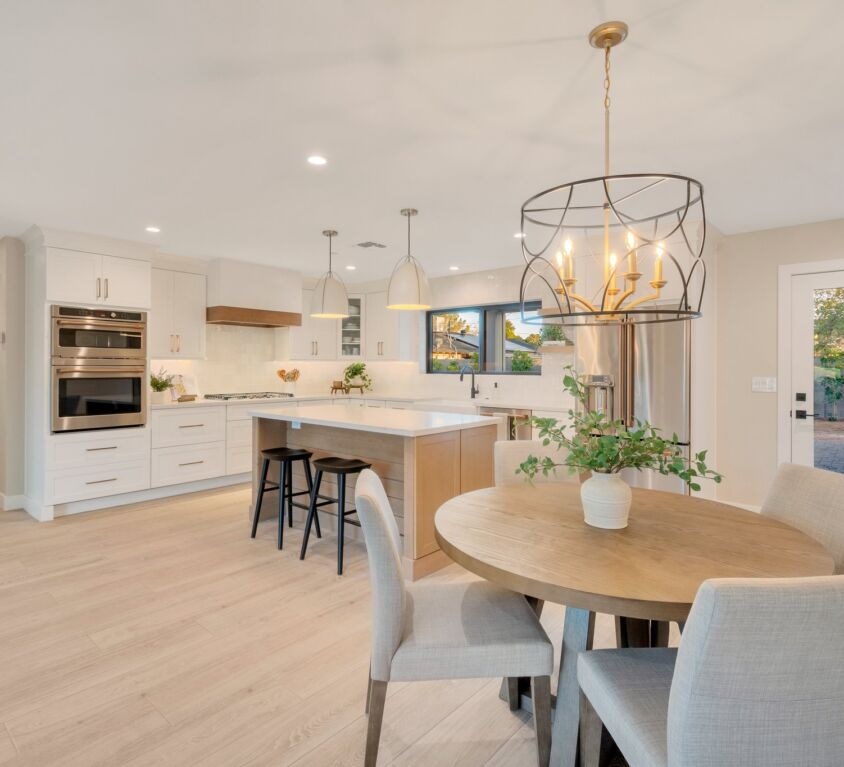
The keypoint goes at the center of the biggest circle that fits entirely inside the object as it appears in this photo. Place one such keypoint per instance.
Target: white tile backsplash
(243, 359)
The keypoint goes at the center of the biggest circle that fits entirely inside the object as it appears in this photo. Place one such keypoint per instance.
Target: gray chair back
(509, 454)
(383, 547)
(812, 500)
(759, 679)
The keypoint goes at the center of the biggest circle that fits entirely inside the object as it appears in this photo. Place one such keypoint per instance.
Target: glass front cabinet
(351, 329)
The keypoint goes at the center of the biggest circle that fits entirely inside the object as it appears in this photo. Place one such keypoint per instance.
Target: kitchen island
(423, 459)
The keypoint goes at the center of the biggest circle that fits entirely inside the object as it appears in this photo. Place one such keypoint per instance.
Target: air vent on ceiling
(370, 244)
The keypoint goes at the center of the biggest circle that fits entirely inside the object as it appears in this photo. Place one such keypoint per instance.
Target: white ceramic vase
(606, 501)
(159, 397)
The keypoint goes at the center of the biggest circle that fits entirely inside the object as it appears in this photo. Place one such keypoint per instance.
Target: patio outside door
(817, 370)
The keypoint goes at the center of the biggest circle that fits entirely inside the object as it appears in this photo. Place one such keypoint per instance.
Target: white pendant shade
(330, 300)
(409, 288)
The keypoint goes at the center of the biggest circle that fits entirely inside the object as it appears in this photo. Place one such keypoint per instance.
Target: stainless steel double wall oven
(98, 368)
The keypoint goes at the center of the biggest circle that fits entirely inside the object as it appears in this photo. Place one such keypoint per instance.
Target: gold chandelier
(614, 248)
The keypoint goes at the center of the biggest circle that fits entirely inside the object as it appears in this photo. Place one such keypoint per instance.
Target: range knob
(114, 314)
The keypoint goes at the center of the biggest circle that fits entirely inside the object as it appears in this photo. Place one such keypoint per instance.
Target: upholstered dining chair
(758, 681)
(425, 631)
(508, 454)
(812, 500)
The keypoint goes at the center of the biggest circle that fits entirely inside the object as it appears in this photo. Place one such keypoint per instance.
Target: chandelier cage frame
(666, 205)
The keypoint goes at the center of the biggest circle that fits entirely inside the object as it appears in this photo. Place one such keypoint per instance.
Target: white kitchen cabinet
(174, 465)
(188, 426)
(126, 282)
(383, 329)
(315, 338)
(70, 485)
(351, 338)
(177, 317)
(77, 277)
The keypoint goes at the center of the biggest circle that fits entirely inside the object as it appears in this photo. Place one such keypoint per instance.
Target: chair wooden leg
(541, 692)
(378, 696)
(260, 499)
(591, 729)
(312, 510)
(512, 683)
(282, 484)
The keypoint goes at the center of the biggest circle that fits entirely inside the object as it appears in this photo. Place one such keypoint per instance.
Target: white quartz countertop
(402, 423)
(420, 401)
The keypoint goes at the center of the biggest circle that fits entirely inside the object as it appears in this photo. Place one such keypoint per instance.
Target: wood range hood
(253, 295)
(253, 318)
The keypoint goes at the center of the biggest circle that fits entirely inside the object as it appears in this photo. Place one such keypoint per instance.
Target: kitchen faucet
(475, 390)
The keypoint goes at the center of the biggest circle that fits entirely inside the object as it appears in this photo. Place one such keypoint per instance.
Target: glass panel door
(351, 329)
(818, 370)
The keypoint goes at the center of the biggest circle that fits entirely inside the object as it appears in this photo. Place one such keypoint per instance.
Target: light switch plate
(763, 384)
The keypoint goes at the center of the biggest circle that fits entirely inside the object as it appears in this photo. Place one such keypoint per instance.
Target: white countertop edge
(356, 420)
(200, 402)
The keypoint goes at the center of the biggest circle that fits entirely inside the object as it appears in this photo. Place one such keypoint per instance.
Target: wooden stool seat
(341, 467)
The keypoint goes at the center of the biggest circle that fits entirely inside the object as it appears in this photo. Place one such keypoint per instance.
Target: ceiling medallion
(614, 248)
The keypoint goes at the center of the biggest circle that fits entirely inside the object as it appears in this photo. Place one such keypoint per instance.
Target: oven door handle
(116, 372)
(88, 324)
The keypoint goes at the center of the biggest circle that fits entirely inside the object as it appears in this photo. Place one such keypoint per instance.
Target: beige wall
(11, 372)
(747, 346)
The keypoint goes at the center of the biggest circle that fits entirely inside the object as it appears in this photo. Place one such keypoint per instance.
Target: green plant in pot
(592, 442)
(356, 375)
(160, 384)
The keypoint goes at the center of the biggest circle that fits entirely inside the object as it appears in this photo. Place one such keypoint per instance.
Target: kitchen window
(489, 339)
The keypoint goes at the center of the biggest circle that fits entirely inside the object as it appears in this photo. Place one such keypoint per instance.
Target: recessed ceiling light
(351, 267)
(153, 229)
(519, 235)
(454, 268)
(316, 159)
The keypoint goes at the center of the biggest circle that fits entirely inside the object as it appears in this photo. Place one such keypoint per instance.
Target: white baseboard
(95, 504)
(12, 502)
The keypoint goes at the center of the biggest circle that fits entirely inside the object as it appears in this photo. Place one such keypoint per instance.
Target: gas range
(250, 395)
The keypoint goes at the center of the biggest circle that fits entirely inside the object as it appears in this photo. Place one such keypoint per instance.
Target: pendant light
(409, 288)
(624, 248)
(330, 300)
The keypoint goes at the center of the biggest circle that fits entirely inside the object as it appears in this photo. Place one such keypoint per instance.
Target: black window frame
(481, 309)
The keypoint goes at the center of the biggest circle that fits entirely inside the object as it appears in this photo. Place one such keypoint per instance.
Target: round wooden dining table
(532, 539)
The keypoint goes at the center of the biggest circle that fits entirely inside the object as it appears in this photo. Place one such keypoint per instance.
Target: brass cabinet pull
(99, 287)
(191, 463)
(106, 288)
(100, 481)
(191, 425)
(95, 449)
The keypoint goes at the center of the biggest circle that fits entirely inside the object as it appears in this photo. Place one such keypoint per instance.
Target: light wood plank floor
(161, 634)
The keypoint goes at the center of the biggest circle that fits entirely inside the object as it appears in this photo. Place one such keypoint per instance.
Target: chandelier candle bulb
(658, 265)
(632, 266)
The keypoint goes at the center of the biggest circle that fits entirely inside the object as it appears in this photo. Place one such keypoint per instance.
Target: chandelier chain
(607, 84)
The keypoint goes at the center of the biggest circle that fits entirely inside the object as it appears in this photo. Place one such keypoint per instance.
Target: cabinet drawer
(191, 426)
(94, 449)
(239, 434)
(80, 484)
(238, 459)
(174, 465)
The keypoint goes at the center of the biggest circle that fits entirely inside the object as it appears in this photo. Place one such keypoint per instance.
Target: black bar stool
(341, 467)
(285, 457)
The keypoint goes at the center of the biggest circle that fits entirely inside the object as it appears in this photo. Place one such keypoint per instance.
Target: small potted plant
(160, 384)
(355, 375)
(552, 336)
(592, 442)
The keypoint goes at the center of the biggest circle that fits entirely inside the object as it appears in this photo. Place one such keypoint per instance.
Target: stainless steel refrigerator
(640, 371)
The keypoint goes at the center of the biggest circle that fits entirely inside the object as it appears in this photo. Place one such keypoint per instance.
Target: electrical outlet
(764, 384)
(296, 424)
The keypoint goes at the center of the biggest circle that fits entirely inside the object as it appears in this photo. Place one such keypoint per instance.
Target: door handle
(99, 286)
(106, 288)
(802, 415)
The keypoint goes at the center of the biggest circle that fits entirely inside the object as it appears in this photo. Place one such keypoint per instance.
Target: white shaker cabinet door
(189, 315)
(160, 336)
(382, 328)
(315, 338)
(74, 277)
(126, 282)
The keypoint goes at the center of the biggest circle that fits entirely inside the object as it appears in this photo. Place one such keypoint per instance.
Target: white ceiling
(198, 117)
